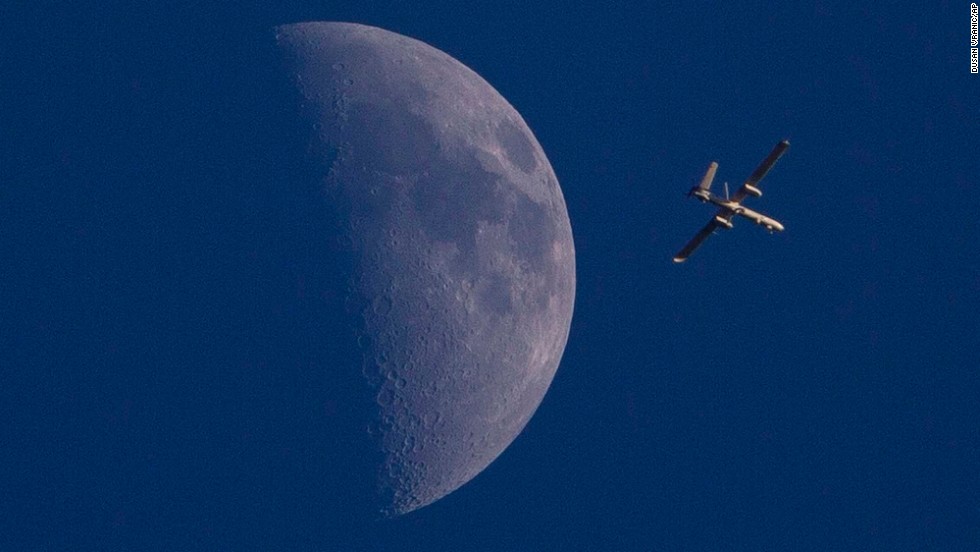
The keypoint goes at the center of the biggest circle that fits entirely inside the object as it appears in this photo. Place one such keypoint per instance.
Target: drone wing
(750, 186)
(702, 235)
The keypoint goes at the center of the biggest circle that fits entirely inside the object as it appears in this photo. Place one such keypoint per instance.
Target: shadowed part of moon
(461, 280)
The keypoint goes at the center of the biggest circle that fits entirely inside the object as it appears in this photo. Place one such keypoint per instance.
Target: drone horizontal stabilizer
(708, 177)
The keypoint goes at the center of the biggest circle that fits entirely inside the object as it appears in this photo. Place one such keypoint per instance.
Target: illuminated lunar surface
(461, 274)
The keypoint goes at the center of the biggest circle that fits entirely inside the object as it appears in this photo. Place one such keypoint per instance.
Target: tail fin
(705, 184)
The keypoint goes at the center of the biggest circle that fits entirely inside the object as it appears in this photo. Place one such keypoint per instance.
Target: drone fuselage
(706, 196)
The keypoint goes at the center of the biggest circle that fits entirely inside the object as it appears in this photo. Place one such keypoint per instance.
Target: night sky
(814, 389)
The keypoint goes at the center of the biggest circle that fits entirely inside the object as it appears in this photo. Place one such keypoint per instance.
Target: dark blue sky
(811, 390)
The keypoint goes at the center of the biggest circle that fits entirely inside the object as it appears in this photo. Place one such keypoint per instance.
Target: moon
(458, 262)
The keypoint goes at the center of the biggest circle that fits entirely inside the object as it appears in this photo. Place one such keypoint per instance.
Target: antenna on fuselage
(726, 191)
